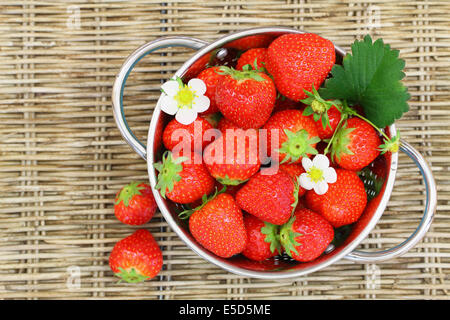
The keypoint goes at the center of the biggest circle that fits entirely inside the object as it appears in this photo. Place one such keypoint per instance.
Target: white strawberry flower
(318, 174)
(184, 101)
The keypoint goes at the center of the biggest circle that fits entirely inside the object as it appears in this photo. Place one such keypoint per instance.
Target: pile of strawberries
(236, 202)
(257, 186)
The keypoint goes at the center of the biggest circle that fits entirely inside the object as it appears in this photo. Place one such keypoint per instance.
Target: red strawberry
(306, 236)
(136, 258)
(294, 170)
(183, 179)
(218, 225)
(355, 145)
(272, 198)
(210, 77)
(233, 158)
(176, 133)
(297, 136)
(134, 204)
(299, 61)
(248, 42)
(251, 56)
(344, 201)
(263, 241)
(246, 98)
(334, 116)
(225, 124)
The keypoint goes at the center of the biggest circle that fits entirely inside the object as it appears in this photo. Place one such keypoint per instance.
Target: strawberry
(255, 57)
(134, 204)
(225, 124)
(218, 225)
(299, 61)
(344, 201)
(136, 258)
(356, 145)
(176, 133)
(253, 41)
(233, 158)
(210, 77)
(246, 98)
(326, 132)
(183, 179)
(298, 136)
(262, 238)
(272, 198)
(306, 236)
(294, 170)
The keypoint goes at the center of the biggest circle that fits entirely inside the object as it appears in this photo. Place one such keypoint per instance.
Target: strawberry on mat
(136, 258)
(134, 204)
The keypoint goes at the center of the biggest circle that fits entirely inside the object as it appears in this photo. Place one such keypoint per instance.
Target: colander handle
(121, 78)
(427, 218)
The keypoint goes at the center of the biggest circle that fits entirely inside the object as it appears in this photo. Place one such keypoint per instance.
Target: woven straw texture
(62, 158)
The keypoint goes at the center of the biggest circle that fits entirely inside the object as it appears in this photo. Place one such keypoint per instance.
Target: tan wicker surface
(62, 158)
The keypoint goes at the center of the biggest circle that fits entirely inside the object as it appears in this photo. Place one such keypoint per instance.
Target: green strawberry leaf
(370, 76)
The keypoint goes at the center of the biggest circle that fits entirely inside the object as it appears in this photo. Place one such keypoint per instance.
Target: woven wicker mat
(62, 158)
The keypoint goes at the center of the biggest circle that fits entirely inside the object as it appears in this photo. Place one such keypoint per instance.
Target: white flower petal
(171, 88)
(186, 116)
(330, 175)
(201, 103)
(321, 187)
(169, 105)
(321, 161)
(197, 86)
(305, 181)
(306, 163)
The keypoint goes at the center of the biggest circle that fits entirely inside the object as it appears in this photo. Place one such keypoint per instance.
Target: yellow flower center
(184, 97)
(315, 174)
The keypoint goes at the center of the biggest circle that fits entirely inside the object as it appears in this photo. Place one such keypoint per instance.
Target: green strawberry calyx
(169, 169)
(287, 237)
(341, 141)
(245, 74)
(205, 199)
(230, 182)
(318, 107)
(128, 192)
(297, 145)
(130, 275)
(272, 236)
